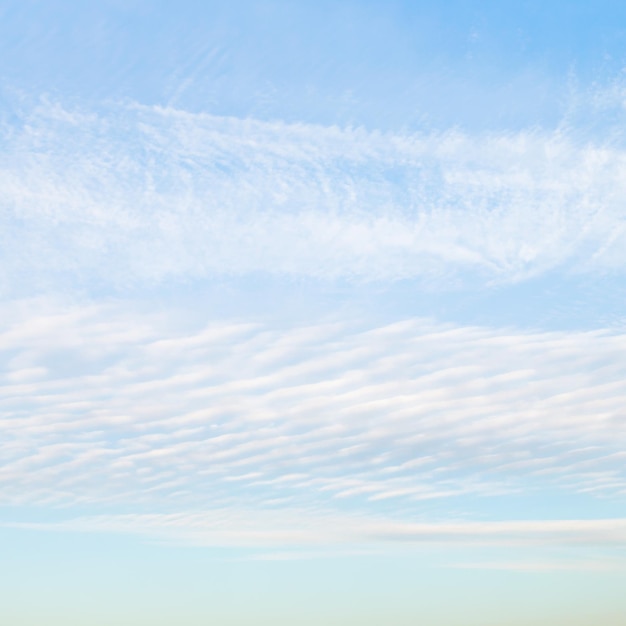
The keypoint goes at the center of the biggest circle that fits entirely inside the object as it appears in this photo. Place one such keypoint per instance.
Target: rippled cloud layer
(104, 407)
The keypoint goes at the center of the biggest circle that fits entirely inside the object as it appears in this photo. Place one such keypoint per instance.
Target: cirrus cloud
(140, 194)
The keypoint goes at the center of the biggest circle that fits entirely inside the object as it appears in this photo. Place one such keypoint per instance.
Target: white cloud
(103, 406)
(139, 194)
(288, 528)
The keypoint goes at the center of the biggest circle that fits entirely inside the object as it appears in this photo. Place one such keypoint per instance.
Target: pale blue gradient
(392, 64)
(104, 580)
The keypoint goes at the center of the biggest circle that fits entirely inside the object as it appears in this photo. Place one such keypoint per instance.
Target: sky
(312, 313)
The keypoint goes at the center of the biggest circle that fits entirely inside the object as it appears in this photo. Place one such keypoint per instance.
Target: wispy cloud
(136, 194)
(287, 528)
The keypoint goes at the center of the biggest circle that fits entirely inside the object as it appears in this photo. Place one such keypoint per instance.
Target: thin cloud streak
(293, 528)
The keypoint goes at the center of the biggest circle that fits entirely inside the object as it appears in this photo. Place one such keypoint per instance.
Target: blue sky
(312, 312)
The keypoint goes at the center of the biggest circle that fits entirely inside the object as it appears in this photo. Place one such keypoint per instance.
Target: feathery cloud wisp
(142, 194)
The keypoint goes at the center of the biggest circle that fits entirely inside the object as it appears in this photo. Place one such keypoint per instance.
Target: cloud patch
(289, 528)
(139, 195)
(105, 407)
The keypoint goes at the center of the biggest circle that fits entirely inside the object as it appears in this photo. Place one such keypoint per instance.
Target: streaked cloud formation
(133, 195)
(285, 528)
(359, 429)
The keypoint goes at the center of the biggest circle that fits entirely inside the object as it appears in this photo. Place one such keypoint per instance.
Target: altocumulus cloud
(249, 434)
